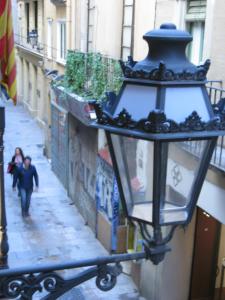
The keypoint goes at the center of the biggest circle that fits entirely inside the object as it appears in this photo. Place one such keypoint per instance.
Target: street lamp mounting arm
(26, 281)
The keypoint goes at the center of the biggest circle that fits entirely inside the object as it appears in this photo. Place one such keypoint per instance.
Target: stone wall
(83, 149)
(81, 160)
(59, 143)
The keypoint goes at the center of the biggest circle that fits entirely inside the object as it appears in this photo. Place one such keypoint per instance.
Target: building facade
(39, 55)
(115, 28)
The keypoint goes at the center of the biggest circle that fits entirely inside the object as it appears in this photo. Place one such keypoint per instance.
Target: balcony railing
(216, 92)
(24, 42)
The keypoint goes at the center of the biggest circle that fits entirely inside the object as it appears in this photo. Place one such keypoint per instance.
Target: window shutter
(196, 10)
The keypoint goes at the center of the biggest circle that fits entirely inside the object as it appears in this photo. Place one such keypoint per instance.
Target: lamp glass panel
(135, 165)
(181, 102)
(138, 100)
(182, 167)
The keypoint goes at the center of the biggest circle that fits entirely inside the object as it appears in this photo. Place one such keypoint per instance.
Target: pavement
(55, 231)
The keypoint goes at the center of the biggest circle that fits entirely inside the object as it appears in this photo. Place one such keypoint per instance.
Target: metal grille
(196, 6)
(59, 150)
(196, 9)
(216, 92)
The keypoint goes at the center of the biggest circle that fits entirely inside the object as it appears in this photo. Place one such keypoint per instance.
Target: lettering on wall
(107, 196)
(87, 178)
(104, 187)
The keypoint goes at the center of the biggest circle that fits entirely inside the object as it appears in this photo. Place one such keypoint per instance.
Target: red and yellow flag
(7, 51)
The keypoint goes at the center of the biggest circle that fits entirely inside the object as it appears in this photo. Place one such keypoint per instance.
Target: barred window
(196, 10)
(195, 24)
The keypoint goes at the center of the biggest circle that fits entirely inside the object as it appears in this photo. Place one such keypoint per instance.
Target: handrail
(216, 88)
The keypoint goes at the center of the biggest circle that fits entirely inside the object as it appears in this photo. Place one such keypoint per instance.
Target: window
(36, 15)
(195, 23)
(27, 15)
(49, 38)
(195, 49)
(61, 49)
(196, 10)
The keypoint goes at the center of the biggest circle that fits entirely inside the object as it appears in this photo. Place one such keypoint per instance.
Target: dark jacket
(25, 177)
(14, 158)
(13, 164)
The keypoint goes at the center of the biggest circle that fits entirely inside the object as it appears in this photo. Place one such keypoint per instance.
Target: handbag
(10, 168)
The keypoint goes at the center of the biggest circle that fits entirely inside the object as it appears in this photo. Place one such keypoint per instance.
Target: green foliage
(91, 75)
(75, 74)
(98, 76)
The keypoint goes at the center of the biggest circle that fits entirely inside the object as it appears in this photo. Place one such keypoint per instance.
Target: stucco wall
(171, 279)
(82, 169)
(216, 43)
(107, 29)
(144, 21)
(150, 15)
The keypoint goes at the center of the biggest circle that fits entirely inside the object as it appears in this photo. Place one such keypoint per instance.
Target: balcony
(216, 92)
(27, 44)
(58, 2)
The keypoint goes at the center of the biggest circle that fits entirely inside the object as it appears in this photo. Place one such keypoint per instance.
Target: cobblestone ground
(55, 231)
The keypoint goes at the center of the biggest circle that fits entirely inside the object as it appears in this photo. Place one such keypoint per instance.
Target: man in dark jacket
(25, 175)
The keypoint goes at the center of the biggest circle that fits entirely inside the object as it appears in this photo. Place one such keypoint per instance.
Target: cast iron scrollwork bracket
(24, 286)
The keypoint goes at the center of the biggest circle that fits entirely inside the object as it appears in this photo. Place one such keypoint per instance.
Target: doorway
(206, 248)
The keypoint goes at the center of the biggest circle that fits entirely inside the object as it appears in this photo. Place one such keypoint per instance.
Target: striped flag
(7, 51)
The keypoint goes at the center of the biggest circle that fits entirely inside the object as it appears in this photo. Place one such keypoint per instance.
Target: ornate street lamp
(162, 113)
(33, 38)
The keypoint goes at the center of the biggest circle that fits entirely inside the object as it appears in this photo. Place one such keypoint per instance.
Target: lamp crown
(166, 59)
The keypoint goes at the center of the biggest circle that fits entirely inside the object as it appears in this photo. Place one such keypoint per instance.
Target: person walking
(16, 162)
(26, 175)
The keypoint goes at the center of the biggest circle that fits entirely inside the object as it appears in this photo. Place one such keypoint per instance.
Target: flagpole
(4, 246)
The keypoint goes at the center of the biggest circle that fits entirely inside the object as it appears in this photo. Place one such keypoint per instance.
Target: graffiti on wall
(87, 178)
(104, 187)
(107, 196)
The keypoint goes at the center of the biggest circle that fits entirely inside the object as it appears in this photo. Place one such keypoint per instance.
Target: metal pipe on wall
(4, 246)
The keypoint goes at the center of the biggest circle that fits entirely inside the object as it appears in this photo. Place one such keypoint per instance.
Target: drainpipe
(4, 246)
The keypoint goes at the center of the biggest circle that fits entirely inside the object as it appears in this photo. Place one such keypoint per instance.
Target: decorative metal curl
(107, 277)
(27, 285)
(52, 283)
(24, 286)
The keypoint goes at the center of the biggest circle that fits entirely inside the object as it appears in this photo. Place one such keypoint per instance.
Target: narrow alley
(55, 231)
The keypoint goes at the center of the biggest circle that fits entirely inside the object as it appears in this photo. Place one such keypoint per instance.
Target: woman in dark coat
(17, 162)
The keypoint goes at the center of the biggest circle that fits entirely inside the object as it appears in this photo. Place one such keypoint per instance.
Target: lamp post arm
(24, 282)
